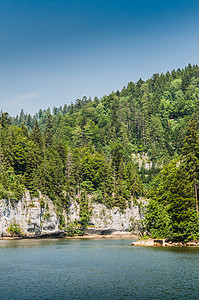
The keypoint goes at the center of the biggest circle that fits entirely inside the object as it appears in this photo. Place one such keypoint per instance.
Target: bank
(164, 243)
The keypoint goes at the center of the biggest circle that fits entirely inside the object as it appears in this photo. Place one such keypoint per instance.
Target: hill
(112, 148)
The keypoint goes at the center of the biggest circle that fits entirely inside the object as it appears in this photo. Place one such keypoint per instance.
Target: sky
(55, 51)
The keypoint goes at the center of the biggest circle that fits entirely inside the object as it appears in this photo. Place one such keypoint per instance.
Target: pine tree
(190, 151)
(37, 136)
(48, 131)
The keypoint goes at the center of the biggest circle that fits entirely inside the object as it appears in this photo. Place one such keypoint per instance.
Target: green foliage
(137, 225)
(87, 148)
(70, 231)
(42, 203)
(62, 221)
(11, 185)
(158, 221)
(46, 215)
(74, 229)
(190, 153)
(172, 211)
(144, 237)
(84, 213)
(14, 229)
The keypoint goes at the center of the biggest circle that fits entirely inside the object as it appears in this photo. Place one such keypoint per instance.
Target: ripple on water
(96, 269)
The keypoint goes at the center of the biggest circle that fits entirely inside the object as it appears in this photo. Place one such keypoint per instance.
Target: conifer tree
(37, 136)
(190, 151)
(48, 131)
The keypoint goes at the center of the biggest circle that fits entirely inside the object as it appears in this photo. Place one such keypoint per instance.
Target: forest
(142, 141)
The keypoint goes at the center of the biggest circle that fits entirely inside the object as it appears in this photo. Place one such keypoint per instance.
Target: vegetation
(173, 206)
(74, 229)
(14, 229)
(142, 140)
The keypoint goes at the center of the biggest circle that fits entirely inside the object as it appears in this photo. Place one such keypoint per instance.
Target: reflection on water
(96, 269)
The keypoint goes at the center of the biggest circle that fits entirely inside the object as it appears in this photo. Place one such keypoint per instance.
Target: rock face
(38, 217)
(35, 217)
(103, 218)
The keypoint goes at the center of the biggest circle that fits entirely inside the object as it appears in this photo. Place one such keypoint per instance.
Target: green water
(96, 269)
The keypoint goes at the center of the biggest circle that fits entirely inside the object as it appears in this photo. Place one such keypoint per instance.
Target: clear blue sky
(55, 51)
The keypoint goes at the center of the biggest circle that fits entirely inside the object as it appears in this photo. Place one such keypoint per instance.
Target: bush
(14, 228)
(70, 231)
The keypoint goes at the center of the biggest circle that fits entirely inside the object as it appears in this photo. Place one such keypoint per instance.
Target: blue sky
(53, 52)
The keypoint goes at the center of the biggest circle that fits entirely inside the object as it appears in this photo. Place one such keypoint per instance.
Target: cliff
(37, 217)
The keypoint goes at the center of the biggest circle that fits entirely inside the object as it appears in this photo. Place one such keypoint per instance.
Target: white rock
(35, 220)
(29, 215)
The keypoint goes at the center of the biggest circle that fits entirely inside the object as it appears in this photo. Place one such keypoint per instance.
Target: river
(96, 269)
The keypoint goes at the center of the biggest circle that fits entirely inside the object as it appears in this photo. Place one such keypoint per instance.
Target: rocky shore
(113, 235)
(164, 243)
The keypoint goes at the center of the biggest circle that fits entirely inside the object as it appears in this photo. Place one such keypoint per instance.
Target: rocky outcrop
(144, 242)
(34, 217)
(103, 218)
(164, 243)
(142, 160)
(37, 217)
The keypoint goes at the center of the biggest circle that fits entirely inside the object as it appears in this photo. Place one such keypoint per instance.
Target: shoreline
(164, 243)
(98, 236)
(139, 243)
(86, 236)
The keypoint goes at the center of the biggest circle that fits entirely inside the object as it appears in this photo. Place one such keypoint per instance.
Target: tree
(5, 119)
(133, 180)
(48, 131)
(37, 136)
(171, 212)
(190, 151)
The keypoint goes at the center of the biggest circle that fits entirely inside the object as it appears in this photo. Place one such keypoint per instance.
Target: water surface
(96, 269)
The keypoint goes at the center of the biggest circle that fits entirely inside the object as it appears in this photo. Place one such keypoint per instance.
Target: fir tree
(190, 151)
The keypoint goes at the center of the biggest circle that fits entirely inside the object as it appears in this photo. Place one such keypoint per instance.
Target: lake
(96, 269)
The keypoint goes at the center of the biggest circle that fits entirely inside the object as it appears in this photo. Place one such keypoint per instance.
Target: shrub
(14, 228)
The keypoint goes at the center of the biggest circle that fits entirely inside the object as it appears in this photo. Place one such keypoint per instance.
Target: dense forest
(140, 141)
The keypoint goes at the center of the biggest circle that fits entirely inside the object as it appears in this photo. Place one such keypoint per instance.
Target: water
(96, 269)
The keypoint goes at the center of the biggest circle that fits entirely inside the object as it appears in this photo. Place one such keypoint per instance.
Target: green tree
(190, 151)
(171, 211)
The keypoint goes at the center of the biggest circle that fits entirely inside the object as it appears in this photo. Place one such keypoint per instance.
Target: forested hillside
(92, 147)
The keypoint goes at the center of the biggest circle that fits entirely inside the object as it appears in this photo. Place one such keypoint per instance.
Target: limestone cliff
(103, 218)
(38, 216)
(34, 216)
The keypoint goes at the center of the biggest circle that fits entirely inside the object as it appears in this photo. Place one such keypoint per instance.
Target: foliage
(84, 210)
(46, 215)
(74, 229)
(14, 228)
(172, 211)
(87, 148)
